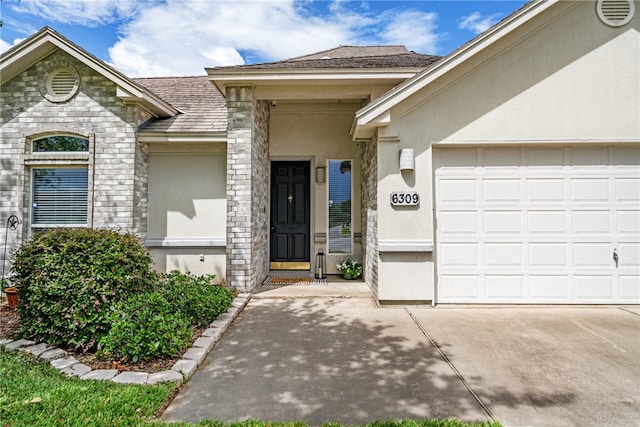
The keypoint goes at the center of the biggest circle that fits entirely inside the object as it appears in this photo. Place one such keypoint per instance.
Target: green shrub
(69, 278)
(196, 296)
(144, 327)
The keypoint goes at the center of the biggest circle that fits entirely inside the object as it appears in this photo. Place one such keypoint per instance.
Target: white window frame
(33, 201)
(58, 160)
(328, 177)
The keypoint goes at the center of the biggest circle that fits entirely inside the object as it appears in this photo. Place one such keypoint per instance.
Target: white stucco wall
(563, 78)
(573, 80)
(187, 207)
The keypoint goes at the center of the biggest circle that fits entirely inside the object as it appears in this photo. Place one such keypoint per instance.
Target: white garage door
(538, 225)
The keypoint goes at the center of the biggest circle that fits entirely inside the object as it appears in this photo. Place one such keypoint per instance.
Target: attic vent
(615, 13)
(60, 83)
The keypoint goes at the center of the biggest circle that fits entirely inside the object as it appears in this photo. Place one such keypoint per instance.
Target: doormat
(294, 280)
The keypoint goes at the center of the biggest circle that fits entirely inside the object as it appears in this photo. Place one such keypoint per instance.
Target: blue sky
(145, 38)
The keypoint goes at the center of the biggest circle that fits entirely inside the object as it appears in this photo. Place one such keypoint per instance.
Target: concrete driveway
(318, 359)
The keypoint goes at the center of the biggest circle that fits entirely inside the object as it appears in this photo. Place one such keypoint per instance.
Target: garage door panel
(547, 222)
(590, 158)
(547, 254)
(629, 287)
(628, 223)
(590, 190)
(549, 288)
(591, 222)
(593, 287)
(592, 254)
(458, 222)
(503, 254)
(501, 190)
(628, 255)
(458, 159)
(628, 190)
(458, 190)
(504, 287)
(502, 222)
(547, 158)
(501, 159)
(459, 254)
(626, 158)
(546, 190)
(460, 287)
(538, 224)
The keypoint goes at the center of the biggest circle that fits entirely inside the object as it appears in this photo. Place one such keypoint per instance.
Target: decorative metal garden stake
(12, 224)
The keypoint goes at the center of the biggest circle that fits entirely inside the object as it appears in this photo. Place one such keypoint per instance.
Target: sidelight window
(340, 235)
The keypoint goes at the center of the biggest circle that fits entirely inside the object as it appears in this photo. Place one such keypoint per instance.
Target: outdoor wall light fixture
(407, 160)
(321, 174)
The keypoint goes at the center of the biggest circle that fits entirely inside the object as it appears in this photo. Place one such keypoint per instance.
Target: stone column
(247, 189)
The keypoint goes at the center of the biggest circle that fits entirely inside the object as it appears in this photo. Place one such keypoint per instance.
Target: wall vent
(615, 13)
(62, 82)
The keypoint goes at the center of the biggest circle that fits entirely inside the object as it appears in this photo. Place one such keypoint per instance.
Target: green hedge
(146, 326)
(157, 324)
(69, 278)
(196, 296)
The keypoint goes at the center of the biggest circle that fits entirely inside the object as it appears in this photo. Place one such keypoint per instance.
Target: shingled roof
(202, 107)
(356, 57)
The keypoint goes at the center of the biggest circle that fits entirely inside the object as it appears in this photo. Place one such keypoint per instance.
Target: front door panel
(290, 215)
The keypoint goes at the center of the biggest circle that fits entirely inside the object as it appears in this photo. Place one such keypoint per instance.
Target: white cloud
(476, 23)
(83, 12)
(6, 46)
(182, 37)
(414, 29)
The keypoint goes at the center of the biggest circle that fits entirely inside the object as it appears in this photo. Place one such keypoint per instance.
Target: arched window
(60, 143)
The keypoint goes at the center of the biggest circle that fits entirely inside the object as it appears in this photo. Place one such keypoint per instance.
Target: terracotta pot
(12, 296)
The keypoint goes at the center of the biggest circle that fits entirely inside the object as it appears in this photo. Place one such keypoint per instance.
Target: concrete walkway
(330, 357)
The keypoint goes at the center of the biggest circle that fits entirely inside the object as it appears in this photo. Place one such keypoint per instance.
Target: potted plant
(11, 291)
(350, 268)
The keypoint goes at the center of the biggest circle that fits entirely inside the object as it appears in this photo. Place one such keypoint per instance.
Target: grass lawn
(32, 393)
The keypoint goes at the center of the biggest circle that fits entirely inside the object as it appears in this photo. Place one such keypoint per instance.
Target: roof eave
(155, 137)
(366, 116)
(223, 78)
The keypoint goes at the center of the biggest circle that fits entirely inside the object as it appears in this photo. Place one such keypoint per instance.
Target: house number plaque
(405, 198)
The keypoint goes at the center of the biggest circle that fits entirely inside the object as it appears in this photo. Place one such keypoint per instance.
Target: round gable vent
(60, 83)
(615, 13)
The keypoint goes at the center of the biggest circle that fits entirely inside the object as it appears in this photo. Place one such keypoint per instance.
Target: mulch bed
(10, 323)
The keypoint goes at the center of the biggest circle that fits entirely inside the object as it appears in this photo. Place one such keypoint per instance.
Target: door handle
(273, 229)
(615, 257)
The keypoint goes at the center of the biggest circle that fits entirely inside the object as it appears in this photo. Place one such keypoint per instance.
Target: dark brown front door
(290, 215)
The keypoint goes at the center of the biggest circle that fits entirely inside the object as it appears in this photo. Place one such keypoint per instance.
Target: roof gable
(46, 41)
(377, 113)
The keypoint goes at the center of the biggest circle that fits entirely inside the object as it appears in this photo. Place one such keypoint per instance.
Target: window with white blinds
(60, 196)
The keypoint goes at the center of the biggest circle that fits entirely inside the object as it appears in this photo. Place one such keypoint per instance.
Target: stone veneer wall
(370, 213)
(116, 162)
(247, 188)
(260, 184)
